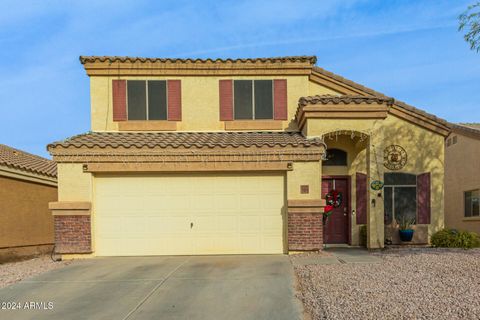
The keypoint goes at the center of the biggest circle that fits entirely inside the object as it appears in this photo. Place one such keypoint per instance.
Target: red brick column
(73, 234)
(305, 229)
(72, 222)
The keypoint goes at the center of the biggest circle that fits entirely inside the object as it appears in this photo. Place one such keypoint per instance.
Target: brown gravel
(12, 272)
(412, 283)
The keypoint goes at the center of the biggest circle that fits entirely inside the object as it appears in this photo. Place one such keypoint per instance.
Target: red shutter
(280, 111)
(174, 103)
(119, 92)
(226, 100)
(361, 198)
(423, 198)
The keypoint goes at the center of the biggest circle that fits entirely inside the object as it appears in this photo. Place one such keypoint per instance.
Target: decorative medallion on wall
(394, 157)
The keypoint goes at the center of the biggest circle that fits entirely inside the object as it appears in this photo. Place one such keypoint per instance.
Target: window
(335, 157)
(253, 99)
(400, 197)
(147, 100)
(472, 203)
(454, 139)
(449, 142)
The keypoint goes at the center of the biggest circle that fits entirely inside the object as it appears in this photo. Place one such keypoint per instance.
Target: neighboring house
(27, 184)
(462, 177)
(226, 157)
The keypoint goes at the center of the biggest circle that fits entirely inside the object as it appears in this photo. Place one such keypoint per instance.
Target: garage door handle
(191, 225)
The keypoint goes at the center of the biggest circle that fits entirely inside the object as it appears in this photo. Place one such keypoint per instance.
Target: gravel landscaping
(12, 272)
(421, 283)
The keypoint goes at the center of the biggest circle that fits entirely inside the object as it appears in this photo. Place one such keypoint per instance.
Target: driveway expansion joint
(154, 289)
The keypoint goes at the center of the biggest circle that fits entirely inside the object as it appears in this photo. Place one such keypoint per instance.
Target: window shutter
(361, 197)
(119, 93)
(280, 111)
(226, 100)
(174, 103)
(423, 198)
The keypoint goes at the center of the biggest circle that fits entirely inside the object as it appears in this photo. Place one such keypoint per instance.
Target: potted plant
(405, 229)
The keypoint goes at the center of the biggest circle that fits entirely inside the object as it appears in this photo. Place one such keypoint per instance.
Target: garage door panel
(231, 214)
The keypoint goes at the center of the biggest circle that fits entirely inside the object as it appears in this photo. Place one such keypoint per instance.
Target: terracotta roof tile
(22, 160)
(471, 125)
(187, 140)
(311, 59)
(372, 92)
(344, 99)
(468, 128)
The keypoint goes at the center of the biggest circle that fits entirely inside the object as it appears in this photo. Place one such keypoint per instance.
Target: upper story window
(147, 100)
(244, 100)
(472, 203)
(143, 100)
(253, 99)
(335, 157)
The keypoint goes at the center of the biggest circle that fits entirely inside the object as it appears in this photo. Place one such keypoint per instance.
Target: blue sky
(409, 50)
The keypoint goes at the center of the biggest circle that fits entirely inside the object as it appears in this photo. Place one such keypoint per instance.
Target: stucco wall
(425, 151)
(73, 183)
(25, 219)
(462, 173)
(200, 100)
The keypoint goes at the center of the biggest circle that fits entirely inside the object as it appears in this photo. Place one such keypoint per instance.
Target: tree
(470, 23)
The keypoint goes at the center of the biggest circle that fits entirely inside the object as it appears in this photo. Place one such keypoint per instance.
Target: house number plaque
(394, 157)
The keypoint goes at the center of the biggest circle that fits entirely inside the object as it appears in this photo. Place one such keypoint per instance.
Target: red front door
(336, 228)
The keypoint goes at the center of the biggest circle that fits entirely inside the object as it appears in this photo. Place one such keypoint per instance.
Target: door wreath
(333, 200)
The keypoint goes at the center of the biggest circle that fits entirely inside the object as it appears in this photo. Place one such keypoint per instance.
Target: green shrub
(451, 238)
(363, 235)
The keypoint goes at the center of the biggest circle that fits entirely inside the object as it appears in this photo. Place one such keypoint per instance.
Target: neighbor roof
(311, 59)
(469, 129)
(17, 159)
(186, 140)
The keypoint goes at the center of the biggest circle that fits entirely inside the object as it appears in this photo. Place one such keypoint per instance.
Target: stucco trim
(341, 111)
(150, 125)
(70, 208)
(186, 167)
(27, 176)
(254, 125)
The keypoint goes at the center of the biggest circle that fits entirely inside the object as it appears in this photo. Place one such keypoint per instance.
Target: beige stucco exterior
(200, 100)
(425, 154)
(26, 224)
(462, 173)
(364, 139)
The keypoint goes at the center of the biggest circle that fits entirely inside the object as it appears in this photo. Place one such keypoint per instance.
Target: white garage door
(189, 214)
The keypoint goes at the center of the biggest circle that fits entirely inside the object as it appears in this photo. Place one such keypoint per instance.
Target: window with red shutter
(119, 92)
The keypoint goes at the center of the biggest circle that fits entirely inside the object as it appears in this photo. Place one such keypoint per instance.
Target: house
(27, 184)
(462, 177)
(237, 156)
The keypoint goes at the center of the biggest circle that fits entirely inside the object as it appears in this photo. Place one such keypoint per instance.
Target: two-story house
(240, 156)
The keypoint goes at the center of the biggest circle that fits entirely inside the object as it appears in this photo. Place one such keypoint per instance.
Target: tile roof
(310, 59)
(344, 99)
(467, 128)
(372, 92)
(187, 140)
(471, 125)
(22, 160)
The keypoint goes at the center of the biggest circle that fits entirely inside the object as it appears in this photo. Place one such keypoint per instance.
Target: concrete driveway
(200, 287)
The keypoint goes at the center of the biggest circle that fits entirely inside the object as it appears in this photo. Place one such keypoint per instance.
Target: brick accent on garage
(73, 234)
(305, 229)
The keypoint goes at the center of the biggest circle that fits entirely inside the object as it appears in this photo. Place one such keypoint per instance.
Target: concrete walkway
(339, 256)
(201, 287)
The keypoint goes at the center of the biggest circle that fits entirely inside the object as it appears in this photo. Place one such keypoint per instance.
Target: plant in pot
(405, 229)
